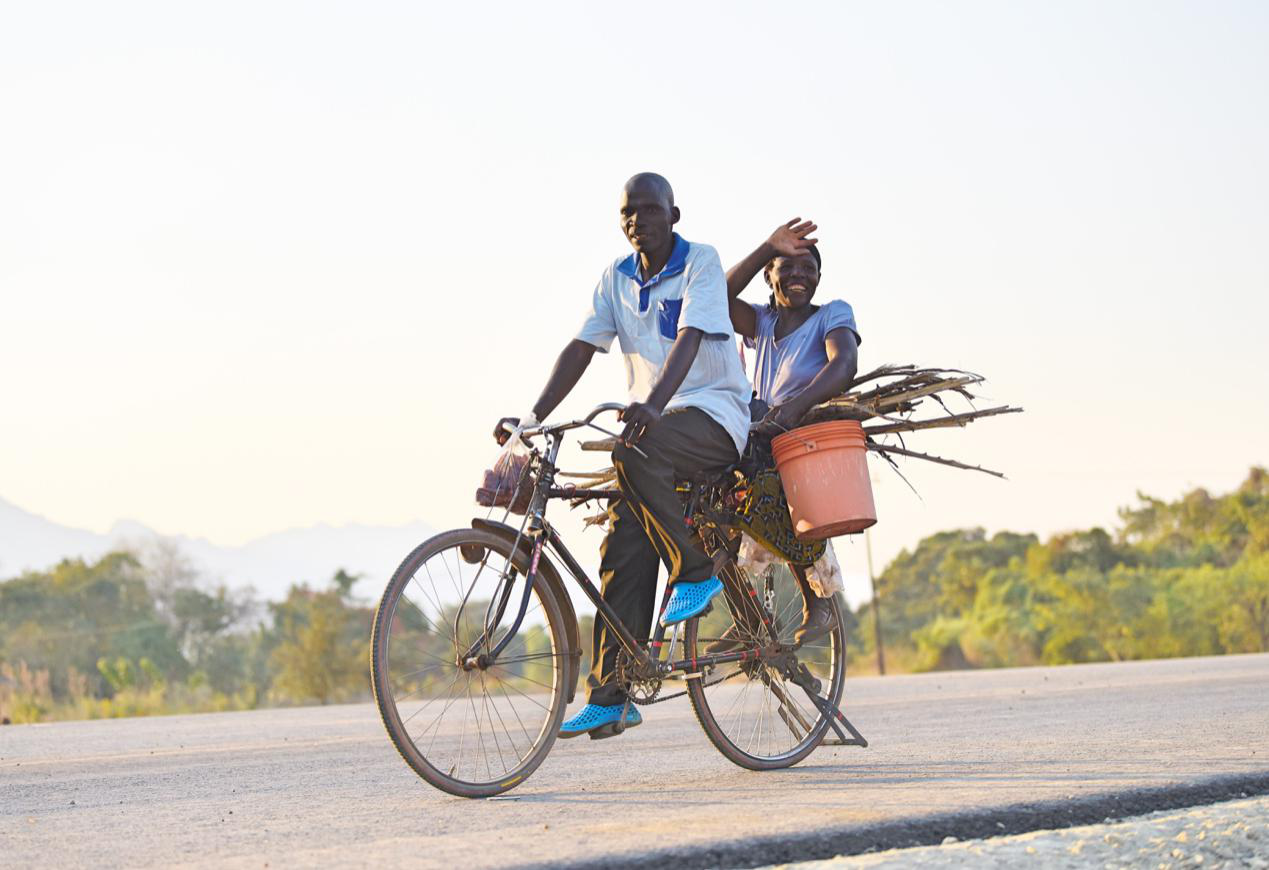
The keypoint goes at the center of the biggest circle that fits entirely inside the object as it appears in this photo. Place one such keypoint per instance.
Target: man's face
(793, 279)
(647, 218)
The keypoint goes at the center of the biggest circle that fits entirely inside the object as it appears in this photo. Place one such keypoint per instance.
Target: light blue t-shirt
(785, 367)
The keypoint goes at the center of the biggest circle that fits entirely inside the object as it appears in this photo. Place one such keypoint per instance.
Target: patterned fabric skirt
(764, 516)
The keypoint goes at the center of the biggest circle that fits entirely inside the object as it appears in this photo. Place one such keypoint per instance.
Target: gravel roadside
(1227, 835)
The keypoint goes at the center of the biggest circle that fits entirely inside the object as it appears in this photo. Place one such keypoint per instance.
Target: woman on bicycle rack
(806, 354)
(667, 305)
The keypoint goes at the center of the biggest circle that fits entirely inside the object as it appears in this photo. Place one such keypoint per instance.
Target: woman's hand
(790, 240)
(781, 418)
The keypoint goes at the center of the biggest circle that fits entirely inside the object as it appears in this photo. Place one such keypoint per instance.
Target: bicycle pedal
(603, 732)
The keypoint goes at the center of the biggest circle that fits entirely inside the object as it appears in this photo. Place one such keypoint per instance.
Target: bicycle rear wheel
(754, 714)
(477, 731)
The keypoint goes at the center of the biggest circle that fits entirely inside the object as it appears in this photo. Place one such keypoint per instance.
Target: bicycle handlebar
(588, 420)
(540, 428)
(606, 406)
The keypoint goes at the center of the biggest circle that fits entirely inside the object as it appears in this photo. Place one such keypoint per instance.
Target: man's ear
(674, 215)
(766, 276)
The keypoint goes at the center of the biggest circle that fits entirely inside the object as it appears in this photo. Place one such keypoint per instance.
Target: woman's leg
(817, 613)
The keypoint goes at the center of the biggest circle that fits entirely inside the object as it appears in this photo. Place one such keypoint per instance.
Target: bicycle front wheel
(474, 730)
(752, 713)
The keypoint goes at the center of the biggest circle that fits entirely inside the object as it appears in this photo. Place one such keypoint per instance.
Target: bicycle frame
(544, 536)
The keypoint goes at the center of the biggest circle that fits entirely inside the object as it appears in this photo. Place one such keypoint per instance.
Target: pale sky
(264, 265)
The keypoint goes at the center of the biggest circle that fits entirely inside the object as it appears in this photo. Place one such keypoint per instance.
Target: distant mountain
(270, 564)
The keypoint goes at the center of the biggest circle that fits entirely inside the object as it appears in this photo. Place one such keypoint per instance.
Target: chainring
(641, 687)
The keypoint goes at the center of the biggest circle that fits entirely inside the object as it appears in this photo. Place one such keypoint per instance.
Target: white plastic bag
(753, 557)
(825, 576)
(508, 484)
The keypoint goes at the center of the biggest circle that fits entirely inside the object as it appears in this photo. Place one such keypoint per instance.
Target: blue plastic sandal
(599, 721)
(690, 599)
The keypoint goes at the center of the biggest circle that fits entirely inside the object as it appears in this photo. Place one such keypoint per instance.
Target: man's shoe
(599, 721)
(817, 621)
(690, 599)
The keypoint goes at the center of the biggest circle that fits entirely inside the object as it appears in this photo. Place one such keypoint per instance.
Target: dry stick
(911, 377)
(941, 422)
(909, 395)
(894, 466)
(886, 371)
(842, 411)
(605, 474)
(968, 398)
(896, 388)
(837, 410)
(606, 446)
(884, 449)
(595, 484)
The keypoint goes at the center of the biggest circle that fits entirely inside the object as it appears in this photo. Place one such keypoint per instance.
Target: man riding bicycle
(667, 305)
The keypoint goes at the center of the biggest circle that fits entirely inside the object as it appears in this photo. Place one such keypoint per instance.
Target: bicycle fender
(549, 574)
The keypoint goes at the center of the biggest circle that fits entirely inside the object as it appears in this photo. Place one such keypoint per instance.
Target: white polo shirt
(645, 317)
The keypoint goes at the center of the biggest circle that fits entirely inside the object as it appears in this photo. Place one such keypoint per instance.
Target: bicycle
(451, 636)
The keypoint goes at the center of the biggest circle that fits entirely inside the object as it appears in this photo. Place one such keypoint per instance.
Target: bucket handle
(810, 445)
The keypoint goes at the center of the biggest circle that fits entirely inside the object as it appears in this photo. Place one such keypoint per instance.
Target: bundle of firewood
(890, 396)
(887, 401)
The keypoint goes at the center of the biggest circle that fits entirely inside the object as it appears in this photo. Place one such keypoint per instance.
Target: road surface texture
(966, 754)
(1226, 836)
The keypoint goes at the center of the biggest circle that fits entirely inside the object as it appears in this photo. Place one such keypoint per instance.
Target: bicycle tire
(380, 662)
(717, 734)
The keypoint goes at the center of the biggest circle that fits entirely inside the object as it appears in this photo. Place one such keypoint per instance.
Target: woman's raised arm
(788, 240)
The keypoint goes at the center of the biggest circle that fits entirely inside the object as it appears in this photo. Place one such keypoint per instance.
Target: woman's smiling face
(793, 279)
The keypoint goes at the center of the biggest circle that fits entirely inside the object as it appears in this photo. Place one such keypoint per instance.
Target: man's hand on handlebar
(638, 417)
(501, 433)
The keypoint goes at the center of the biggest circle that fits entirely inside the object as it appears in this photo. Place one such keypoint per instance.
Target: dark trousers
(647, 527)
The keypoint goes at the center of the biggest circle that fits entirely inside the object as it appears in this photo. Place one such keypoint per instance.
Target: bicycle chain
(653, 696)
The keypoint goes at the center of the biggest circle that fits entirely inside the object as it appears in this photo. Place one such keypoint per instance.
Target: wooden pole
(876, 607)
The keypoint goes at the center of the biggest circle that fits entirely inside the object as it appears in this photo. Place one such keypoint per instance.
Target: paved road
(317, 786)
(1225, 836)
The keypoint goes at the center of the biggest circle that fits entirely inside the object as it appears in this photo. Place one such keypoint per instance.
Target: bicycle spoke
(744, 712)
(526, 697)
(407, 719)
(503, 723)
(472, 728)
(449, 702)
(527, 658)
(510, 704)
(480, 736)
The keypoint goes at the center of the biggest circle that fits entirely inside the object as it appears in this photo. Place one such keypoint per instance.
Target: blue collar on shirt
(673, 266)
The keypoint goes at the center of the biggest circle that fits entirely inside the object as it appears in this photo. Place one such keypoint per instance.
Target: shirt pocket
(668, 311)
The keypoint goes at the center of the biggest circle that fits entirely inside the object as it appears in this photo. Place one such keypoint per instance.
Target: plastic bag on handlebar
(509, 484)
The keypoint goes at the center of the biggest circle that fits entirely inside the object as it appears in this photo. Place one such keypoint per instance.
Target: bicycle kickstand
(832, 713)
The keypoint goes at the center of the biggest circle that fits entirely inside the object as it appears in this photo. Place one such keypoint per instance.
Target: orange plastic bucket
(824, 469)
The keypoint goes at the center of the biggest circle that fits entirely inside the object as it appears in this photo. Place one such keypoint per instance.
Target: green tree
(322, 644)
(80, 612)
(1244, 625)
